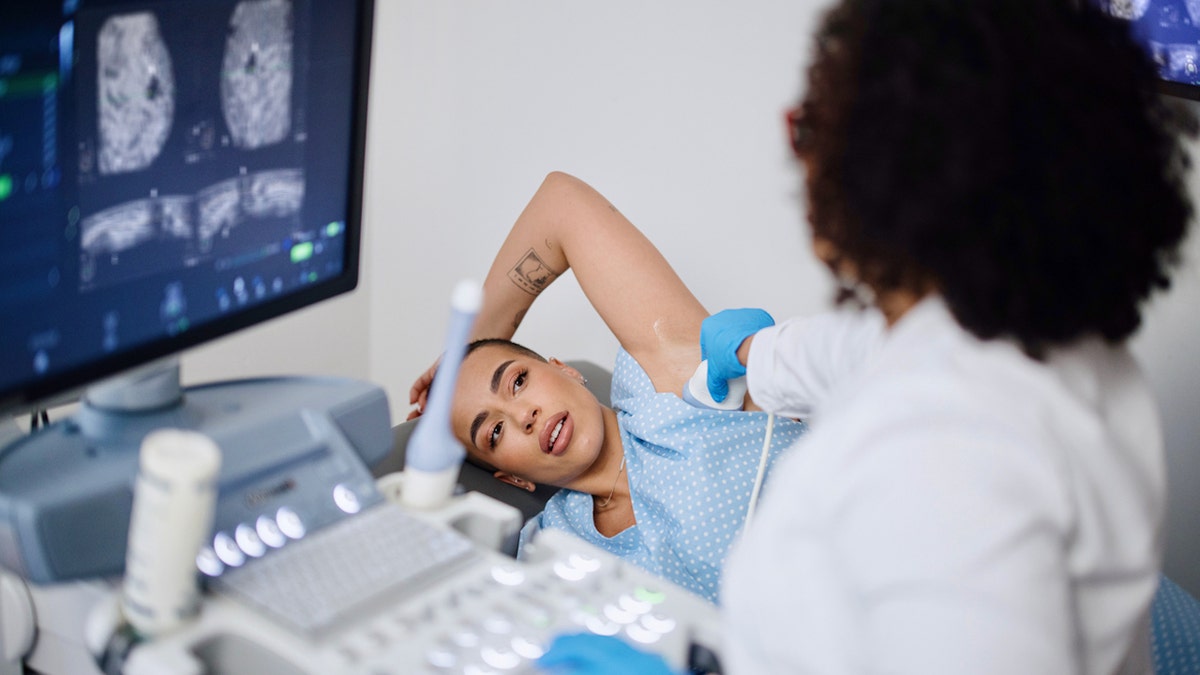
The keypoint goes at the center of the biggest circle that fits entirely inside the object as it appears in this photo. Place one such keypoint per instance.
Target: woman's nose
(529, 418)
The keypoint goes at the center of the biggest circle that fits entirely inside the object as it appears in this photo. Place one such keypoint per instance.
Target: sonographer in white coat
(958, 506)
(982, 488)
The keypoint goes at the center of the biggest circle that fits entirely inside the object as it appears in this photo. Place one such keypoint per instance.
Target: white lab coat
(956, 508)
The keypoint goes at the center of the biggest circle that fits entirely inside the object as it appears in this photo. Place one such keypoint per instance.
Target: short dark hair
(1011, 154)
(507, 344)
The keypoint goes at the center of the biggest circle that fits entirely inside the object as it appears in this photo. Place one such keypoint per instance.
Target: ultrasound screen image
(256, 81)
(1181, 62)
(136, 93)
(218, 209)
(126, 227)
(119, 228)
(172, 169)
(259, 198)
(191, 225)
(175, 216)
(1169, 30)
(205, 110)
(1130, 10)
(274, 193)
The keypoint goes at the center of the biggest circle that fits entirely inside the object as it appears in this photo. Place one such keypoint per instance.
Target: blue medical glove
(587, 654)
(720, 336)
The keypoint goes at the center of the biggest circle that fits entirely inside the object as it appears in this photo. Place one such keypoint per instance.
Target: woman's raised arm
(569, 225)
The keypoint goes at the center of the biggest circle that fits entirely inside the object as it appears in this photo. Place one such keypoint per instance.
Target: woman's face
(527, 417)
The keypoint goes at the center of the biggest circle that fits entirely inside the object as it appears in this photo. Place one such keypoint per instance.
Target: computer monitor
(170, 172)
(1169, 30)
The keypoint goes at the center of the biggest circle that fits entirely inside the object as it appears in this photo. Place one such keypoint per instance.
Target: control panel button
(642, 635)
(527, 648)
(208, 562)
(508, 575)
(465, 638)
(227, 550)
(602, 626)
(442, 656)
(619, 615)
(346, 499)
(268, 530)
(568, 572)
(290, 523)
(584, 562)
(649, 595)
(659, 623)
(498, 623)
(247, 540)
(501, 658)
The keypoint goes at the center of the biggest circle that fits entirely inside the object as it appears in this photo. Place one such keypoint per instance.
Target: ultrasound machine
(171, 172)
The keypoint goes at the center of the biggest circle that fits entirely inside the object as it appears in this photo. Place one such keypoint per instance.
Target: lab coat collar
(930, 313)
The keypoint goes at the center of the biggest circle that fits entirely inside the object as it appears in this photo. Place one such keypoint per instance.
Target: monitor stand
(154, 386)
(66, 490)
(9, 431)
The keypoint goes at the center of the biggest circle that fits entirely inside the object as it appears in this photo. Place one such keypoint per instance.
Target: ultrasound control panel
(449, 606)
(296, 486)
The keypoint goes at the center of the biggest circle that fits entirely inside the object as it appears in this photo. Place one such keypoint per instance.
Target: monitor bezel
(1190, 92)
(62, 387)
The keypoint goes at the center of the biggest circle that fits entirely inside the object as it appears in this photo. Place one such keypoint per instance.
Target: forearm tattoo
(531, 274)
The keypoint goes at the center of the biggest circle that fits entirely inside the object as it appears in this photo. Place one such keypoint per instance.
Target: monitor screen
(1170, 32)
(170, 172)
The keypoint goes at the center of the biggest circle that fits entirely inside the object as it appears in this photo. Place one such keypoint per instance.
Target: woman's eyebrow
(475, 428)
(496, 377)
(499, 375)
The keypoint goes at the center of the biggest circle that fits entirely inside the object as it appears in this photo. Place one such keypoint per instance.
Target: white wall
(1167, 348)
(673, 109)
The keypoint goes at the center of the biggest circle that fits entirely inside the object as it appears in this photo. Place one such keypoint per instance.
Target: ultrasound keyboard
(392, 592)
(383, 552)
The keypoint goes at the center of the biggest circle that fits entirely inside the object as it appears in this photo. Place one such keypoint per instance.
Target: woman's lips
(553, 444)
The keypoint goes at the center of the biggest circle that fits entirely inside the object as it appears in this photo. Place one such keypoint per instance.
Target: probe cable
(762, 466)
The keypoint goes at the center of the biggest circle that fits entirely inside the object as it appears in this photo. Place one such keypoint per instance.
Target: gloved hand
(720, 336)
(587, 654)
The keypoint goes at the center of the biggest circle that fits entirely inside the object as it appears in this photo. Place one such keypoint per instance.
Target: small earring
(584, 379)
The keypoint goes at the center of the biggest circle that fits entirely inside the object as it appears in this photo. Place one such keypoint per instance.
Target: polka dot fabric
(691, 472)
(1175, 637)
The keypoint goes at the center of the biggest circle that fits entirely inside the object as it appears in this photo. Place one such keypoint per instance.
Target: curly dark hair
(1010, 154)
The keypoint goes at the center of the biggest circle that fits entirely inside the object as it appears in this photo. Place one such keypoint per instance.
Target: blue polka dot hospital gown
(691, 473)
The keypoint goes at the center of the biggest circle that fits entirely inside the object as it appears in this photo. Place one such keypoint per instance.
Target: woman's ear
(567, 369)
(515, 481)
